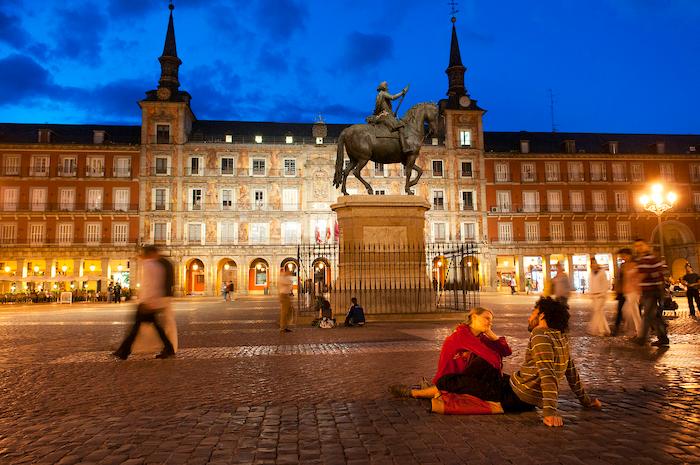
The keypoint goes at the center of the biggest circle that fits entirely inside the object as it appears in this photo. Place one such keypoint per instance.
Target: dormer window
(612, 147)
(660, 147)
(98, 136)
(258, 139)
(289, 139)
(524, 146)
(45, 136)
(228, 138)
(570, 146)
(319, 141)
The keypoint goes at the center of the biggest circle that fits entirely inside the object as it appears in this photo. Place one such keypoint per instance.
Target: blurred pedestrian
(224, 290)
(284, 288)
(117, 293)
(561, 285)
(599, 288)
(651, 269)
(691, 280)
(623, 254)
(154, 300)
(512, 285)
(630, 287)
(229, 291)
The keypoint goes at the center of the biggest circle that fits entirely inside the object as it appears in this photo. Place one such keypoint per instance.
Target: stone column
(545, 273)
(520, 271)
(51, 267)
(22, 274)
(210, 288)
(78, 272)
(570, 268)
(490, 275)
(106, 272)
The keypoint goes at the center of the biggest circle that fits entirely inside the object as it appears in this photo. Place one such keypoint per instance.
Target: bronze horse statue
(365, 142)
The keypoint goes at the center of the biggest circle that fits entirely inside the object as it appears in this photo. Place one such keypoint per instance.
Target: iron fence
(424, 278)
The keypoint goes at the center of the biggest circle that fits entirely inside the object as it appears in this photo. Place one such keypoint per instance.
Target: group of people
(227, 291)
(114, 292)
(470, 378)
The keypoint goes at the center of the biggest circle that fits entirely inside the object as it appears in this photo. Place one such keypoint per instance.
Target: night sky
(613, 65)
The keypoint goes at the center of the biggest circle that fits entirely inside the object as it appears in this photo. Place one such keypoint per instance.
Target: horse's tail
(338, 177)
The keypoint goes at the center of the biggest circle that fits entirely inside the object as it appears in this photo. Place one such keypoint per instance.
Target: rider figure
(384, 114)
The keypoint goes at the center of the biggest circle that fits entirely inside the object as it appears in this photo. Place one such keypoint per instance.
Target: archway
(470, 273)
(439, 272)
(227, 271)
(258, 276)
(679, 243)
(195, 277)
(322, 275)
(291, 265)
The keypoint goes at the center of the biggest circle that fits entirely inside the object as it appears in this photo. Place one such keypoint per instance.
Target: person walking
(154, 300)
(691, 280)
(624, 255)
(651, 269)
(561, 285)
(599, 287)
(284, 288)
(229, 291)
(224, 290)
(631, 291)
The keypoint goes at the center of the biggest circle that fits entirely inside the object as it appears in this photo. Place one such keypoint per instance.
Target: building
(231, 200)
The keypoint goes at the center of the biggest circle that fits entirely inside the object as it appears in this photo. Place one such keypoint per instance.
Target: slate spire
(169, 63)
(455, 70)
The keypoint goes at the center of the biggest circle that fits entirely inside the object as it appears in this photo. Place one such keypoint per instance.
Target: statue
(379, 142)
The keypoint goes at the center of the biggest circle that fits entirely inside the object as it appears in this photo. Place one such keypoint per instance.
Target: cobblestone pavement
(239, 392)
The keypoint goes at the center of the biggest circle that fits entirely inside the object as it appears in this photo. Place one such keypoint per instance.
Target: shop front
(605, 263)
(534, 277)
(580, 272)
(505, 272)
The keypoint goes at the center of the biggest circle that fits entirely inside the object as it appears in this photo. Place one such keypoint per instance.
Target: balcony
(576, 177)
(121, 172)
(38, 171)
(68, 207)
(67, 172)
(528, 179)
(94, 172)
(469, 207)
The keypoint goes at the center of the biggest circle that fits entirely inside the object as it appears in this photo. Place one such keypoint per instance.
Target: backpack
(169, 276)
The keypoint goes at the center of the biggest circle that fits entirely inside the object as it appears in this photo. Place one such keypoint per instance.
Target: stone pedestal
(382, 258)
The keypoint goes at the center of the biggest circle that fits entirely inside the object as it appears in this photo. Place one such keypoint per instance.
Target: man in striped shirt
(547, 361)
(652, 269)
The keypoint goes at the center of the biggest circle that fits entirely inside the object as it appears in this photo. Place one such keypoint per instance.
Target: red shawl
(463, 340)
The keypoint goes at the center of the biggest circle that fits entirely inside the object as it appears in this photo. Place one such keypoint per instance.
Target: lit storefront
(505, 271)
(533, 273)
(580, 272)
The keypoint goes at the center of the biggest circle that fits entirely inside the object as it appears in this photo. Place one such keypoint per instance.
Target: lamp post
(658, 203)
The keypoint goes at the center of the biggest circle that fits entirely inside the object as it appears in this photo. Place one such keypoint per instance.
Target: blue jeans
(649, 301)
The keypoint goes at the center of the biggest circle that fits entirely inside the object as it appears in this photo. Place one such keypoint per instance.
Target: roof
(21, 133)
(203, 130)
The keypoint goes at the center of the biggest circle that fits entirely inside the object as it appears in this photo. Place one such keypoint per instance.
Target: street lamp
(658, 204)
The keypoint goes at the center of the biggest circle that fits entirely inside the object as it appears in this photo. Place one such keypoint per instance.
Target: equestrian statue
(385, 139)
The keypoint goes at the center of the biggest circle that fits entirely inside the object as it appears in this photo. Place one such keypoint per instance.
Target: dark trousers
(652, 315)
(693, 293)
(618, 317)
(143, 316)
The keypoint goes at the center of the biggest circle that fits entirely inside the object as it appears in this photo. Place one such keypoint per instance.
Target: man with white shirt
(153, 297)
(284, 287)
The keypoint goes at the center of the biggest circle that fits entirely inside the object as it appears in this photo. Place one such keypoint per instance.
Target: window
(258, 167)
(64, 234)
(94, 199)
(93, 233)
(37, 233)
(618, 170)
(11, 165)
(532, 232)
(160, 232)
(554, 201)
(95, 167)
(121, 199)
(468, 200)
(228, 138)
(468, 231)
(196, 202)
(162, 166)
(503, 201)
(226, 199)
(578, 230)
(466, 169)
(195, 167)
(68, 167)
(578, 203)
(258, 139)
(380, 192)
(527, 172)
(379, 169)
(290, 167)
(524, 146)
(39, 166)
(621, 201)
(597, 171)
(291, 233)
(258, 199)
(556, 232)
(612, 147)
(599, 201)
(465, 138)
(505, 232)
(601, 230)
(551, 171)
(531, 201)
(228, 232)
(667, 172)
(8, 233)
(259, 233)
(120, 233)
(194, 233)
(575, 171)
(636, 172)
(228, 166)
(160, 198)
(162, 134)
(570, 146)
(696, 201)
(502, 172)
(66, 199)
(695, 172)
(438, 200)
(439, 232)
(624, 231)
(288, 139)
(122, 167)
(290, 200)
(437, 169)
(38, 198)
(10, 198)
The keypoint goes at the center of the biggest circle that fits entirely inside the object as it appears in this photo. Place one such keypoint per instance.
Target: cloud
(12, 32)
(363, 51)
(281, 18)
(79, 33)
(273, 62)
(23, 79)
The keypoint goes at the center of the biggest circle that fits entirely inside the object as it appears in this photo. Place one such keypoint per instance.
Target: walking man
(561, 285)
(153, 302)
(284, 287)
(599, 287)
(692, 284)
(651, 268)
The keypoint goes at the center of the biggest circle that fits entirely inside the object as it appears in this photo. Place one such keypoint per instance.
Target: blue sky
(613, 65)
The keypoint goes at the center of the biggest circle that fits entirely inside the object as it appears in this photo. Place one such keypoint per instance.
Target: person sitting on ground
(472, 356)
(356, 314)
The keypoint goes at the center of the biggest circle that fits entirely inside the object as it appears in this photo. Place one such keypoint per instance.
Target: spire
(455, 56)
(170, 49)
(169, 63)
(455, 70)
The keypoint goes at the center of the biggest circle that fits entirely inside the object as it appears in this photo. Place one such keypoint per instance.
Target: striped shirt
(651, 268)
(547, 361)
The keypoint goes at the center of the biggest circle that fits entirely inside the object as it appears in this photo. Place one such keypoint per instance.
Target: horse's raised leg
(419, 170)
(361, 164)
(346, 172)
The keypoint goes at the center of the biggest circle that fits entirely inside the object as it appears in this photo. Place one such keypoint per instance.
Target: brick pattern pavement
(240, 392)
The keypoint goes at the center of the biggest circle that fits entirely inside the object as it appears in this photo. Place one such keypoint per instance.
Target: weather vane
(453, 7)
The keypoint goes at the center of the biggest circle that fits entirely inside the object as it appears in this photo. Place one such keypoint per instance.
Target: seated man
(356, 315)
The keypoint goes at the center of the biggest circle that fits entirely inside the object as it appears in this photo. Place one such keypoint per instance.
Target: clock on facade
(464, 101)
(163, 93)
